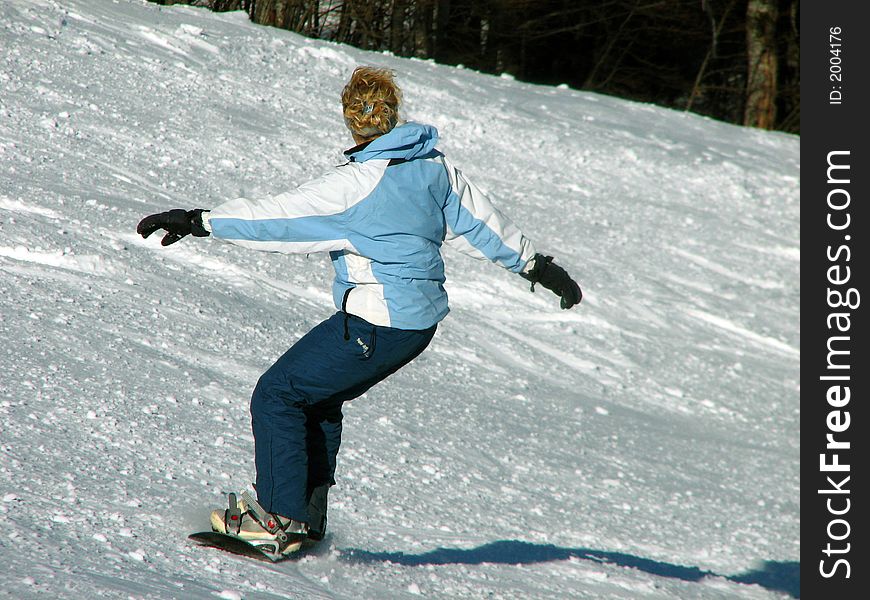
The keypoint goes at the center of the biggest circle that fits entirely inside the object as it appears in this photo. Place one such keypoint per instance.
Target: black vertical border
(828, 127)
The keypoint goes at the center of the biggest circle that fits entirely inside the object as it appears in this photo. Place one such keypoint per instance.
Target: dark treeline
(735, 60)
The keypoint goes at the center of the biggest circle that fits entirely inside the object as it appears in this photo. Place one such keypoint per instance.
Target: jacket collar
(358, 148)
(406, 142)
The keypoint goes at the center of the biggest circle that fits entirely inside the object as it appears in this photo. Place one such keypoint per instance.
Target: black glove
(555, 278)
(177, 223)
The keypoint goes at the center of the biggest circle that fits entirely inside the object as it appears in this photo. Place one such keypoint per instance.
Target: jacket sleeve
(311, 218)
(477, 228)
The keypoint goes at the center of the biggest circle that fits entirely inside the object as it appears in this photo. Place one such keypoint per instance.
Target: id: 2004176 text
(835, 65)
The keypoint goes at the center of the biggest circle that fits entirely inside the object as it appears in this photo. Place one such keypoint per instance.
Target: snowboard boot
(247, 520)
(317, 512)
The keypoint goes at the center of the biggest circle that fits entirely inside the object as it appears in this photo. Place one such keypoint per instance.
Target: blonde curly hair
(370, 102)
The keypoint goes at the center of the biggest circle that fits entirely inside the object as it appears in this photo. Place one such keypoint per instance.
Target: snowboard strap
(233, 516)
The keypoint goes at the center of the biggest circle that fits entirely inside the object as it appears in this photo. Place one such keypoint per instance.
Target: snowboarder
(383, 217)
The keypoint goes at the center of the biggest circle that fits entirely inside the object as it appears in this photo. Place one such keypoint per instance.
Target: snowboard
(236, 545)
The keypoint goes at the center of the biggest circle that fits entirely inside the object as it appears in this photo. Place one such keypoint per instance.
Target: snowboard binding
(246, 528)
(288, 537)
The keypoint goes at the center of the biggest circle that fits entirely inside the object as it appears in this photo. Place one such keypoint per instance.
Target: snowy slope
(642, 446)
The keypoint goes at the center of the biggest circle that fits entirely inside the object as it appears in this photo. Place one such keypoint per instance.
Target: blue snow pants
(296, 405)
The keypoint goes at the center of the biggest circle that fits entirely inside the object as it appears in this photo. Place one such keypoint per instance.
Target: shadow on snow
(775, 576)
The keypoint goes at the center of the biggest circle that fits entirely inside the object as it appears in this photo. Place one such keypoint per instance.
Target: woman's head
(370, 102)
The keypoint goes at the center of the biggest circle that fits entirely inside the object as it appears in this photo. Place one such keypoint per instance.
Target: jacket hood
(408, 141)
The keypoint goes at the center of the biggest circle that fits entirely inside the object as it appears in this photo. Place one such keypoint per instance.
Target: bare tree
(761, 80)
(228, 5)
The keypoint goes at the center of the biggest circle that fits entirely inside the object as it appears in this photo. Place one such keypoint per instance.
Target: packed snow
(644, 445)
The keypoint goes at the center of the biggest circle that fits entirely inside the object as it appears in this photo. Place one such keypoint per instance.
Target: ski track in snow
(642, 446)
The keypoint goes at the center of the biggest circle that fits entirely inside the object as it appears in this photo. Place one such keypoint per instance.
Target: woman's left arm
(311, 218)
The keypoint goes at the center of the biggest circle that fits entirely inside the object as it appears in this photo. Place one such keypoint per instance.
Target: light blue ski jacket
(383, 217)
